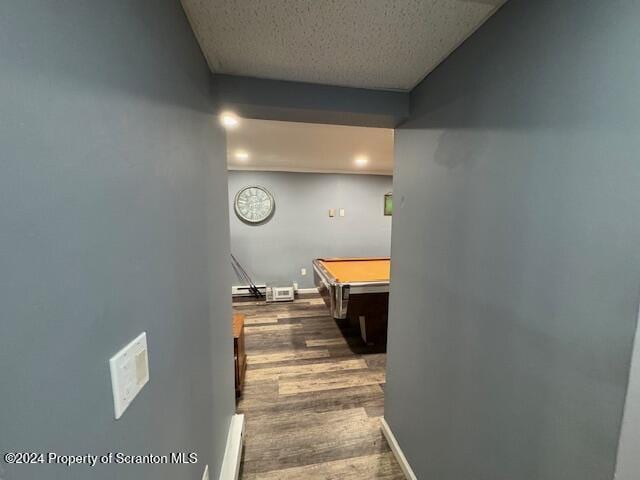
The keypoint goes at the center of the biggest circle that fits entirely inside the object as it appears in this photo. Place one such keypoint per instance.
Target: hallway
(313, 397)
(458, 177)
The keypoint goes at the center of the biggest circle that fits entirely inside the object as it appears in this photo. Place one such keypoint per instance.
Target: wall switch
(303, 271)
(129, 373)
(295, 285)
(205, 475)
(342, 212)
(332, 212)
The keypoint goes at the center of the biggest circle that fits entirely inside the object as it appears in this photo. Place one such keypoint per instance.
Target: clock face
(254, 204)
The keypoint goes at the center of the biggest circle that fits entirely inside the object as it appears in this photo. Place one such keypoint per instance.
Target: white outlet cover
(332, 212)
(129, 373)
(303, 271)
(342, 212)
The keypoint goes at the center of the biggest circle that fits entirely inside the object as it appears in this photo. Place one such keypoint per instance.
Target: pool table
(357, 289)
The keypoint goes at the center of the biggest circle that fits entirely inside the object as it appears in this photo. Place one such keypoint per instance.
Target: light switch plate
(342, 212)
(129, 373)
(303, 271)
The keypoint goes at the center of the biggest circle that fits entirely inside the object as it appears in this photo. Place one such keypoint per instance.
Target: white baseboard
(307, 290)
(397, 451)
(233, 454)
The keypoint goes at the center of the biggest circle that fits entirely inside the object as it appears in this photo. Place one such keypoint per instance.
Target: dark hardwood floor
(313, 397)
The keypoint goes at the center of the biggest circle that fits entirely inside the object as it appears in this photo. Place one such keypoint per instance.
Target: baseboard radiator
(245, 290)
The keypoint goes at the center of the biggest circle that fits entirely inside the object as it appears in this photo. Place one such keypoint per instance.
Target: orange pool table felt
(348, 270)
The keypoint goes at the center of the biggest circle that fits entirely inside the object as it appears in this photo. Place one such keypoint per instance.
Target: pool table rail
(336, 294)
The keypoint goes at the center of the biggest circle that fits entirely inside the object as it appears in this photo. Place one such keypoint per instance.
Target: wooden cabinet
(240, 357)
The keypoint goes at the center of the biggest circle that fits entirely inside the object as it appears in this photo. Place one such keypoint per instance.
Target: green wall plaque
(388, 204)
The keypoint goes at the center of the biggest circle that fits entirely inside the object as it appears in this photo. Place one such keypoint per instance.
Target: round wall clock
(254, 204)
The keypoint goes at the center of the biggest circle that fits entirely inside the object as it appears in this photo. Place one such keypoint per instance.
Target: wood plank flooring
(313, 397)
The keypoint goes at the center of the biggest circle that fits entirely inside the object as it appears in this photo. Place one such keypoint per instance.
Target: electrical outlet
(303, 271)
(205, 475)
(332, 212)
(295, 285)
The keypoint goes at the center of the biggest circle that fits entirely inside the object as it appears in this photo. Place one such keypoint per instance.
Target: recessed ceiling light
(361, 160)
(229, 120)
(241, 155)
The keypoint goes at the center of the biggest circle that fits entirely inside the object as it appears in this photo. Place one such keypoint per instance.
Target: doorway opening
(310, 225)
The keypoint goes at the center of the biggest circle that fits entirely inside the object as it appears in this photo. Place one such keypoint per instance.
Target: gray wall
(301, 229)
(516, 262)
(309, 102)
(110, 164)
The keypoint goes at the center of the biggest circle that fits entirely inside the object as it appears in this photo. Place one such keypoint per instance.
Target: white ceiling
(309, 147)
(380, 44)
